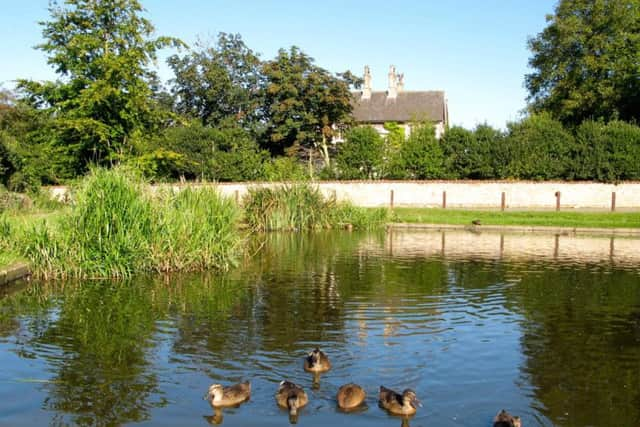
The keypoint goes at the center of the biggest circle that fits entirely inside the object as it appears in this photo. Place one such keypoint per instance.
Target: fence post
(503, 201)
(613, 201)
(237, 195)
(557, 200)
(391, 200)
(444, 200)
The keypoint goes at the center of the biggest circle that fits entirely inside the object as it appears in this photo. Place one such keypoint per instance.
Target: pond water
(547, 327)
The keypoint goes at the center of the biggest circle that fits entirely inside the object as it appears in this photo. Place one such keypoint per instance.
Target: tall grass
(303, 207)
(116, 228)
(198, 231)
(287, 207)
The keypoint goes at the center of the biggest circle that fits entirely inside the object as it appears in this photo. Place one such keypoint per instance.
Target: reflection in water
(547, 326)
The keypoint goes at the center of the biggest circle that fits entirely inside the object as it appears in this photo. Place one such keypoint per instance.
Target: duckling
(228, 396)
(505, 419)
(399, 404)
(291, 396)
(317, 361)
(350, 395)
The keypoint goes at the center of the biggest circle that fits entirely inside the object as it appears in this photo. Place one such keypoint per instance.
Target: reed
(116, 228)
(288, 207)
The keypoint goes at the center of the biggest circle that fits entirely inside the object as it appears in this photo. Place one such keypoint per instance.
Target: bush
(361, 155)
(421, 156)
(198, 152)
(607, 152)
(285, 169)
(539, 149)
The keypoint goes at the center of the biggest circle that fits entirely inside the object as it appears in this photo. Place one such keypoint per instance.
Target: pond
(547, 327)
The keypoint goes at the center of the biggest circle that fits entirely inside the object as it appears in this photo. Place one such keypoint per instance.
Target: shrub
(421, 156)
(285, 169)
(361, 155)
(607, 152)
(539, 148)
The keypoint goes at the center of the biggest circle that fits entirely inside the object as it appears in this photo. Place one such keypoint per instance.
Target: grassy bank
(116, 228)
(522, 218)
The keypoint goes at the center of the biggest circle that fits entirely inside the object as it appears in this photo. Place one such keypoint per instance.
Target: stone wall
(462, 194)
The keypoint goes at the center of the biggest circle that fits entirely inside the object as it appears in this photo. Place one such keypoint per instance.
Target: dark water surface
(546, 327)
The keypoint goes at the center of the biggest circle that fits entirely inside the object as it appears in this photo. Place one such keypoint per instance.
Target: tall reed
(287, 207)
(117, 228)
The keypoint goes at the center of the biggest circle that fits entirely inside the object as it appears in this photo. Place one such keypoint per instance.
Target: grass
(115, 228)
(521, 218)
(300, 206)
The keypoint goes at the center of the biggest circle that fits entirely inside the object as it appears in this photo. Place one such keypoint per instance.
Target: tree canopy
(101, 50)
(585, 62)
(220, 82)
(304, 104)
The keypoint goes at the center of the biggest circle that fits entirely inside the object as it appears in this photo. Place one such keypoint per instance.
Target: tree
(101, 50)
(305, 105)
(585, 62)
(217, 83)
(361, 155)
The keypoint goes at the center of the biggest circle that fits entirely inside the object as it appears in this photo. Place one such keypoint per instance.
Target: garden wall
(462, 194)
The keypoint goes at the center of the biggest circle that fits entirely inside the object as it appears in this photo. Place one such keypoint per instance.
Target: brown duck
(291, 396)
(317, 361)
(350, 396)
(399, 404)
(505, 419)
(228, 396)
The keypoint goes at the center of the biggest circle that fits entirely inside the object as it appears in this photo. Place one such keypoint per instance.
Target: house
(375, 108)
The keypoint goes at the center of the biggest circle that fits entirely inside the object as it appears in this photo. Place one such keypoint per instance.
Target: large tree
(305, 105)
(585, 62)
(102, 51)
(218, 83)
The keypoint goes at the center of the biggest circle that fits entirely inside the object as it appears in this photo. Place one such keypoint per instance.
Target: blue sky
(476, 51)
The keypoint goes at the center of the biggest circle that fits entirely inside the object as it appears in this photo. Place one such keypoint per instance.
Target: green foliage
(116, 228)
(361, 155)
(585, 62)
(102, 51)
(199, 152)
(473, 154)
(395, 135)
(216, 83)
(360, 218)
(607, 152)
(285, 169)
(303, 102)
(198, 231)
(539, 148)
(421, 156)
(287, 207)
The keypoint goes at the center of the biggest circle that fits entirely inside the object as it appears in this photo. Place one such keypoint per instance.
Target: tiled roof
(407, 106)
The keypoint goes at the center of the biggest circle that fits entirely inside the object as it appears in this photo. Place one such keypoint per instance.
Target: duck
(317, 361)
(228, 396)
(505, 419)
(350, 396)
(291, 396)
(399, 404)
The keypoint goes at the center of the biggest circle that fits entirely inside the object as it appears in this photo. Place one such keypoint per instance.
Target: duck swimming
(228, 396)
(399, 404)
(291, 396)
(317, 361)
(350, 396)
(505, 419)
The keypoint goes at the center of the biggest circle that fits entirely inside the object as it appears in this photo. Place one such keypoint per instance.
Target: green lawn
(523, 218)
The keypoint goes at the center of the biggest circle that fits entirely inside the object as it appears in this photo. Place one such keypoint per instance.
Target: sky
(476, 51)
